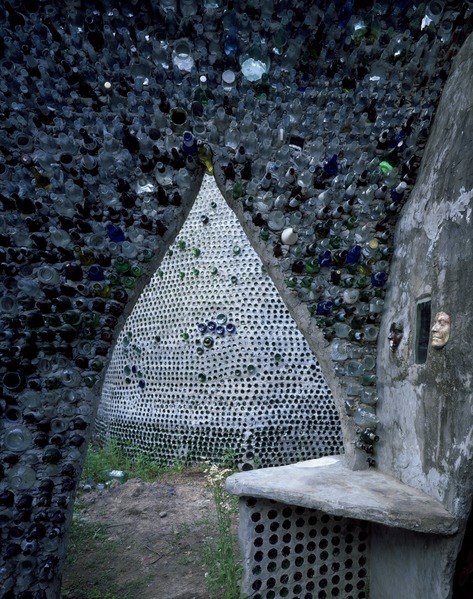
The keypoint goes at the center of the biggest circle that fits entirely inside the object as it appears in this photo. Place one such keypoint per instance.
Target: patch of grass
(222, 556)
(86, 537)
(143, 466)
(100, 461)
(90, 546)
(229, 458)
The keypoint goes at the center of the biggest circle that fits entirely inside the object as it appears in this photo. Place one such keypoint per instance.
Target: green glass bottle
(53, 321)
(136, 271)
(306, 282)
(89, 333)
(312, 266)
(347, 281)
(91, 319)
(202, 93)
(86, 257)
(102, 290)
(128, 282)
(205, 156)
(264, 234)
(96, 365)
(147, 255)
(90, 380)
(237, 189)
(351, 222)
(335, 242)
(368, 379)
(72, 317)
(114, 279)
(121, 265)
(68, 333)
(291, 282)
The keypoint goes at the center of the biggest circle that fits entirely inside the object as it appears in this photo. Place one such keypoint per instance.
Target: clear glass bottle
(365, 417)
(163, 175)
(59, 238)
(182, 55)
(339, 350)
(21, 477)
(48, 275)
(255, 62)
(14, 381)
(17, 439)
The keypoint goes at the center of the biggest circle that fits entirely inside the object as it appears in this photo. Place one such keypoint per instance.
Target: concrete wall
(425, 409)
(411, 565)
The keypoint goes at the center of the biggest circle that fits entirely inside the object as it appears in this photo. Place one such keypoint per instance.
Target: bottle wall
(210, 365)
(319, 115)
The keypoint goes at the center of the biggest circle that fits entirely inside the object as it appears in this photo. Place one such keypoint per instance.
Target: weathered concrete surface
(403, 564)
(424, 481)
(425, 410)
(327, 484)
(299, 556)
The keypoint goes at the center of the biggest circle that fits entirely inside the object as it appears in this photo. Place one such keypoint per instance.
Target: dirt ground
(141, 540)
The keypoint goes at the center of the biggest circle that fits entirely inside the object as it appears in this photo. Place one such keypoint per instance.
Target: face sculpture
(395, 336)
(440, 330)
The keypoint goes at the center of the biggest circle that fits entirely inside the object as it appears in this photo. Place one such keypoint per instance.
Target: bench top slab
(327, 484)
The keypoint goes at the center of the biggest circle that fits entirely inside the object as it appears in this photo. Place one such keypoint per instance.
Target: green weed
(91, 595)
(229, 458)
(222, 558)
(100, 461)
(85, 537)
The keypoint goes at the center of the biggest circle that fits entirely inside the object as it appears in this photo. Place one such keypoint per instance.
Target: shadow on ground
(141, 540)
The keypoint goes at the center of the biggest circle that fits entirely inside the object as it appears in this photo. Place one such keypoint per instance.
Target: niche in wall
(423, 318)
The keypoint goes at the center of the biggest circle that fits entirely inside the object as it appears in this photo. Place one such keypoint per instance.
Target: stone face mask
(440, 330)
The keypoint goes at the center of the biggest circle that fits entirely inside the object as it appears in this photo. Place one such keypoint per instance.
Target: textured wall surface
(427, 442)
(425, 390)
(250, 390)
(93, 169)
(403, 563)
(291, 551)
(426, 408)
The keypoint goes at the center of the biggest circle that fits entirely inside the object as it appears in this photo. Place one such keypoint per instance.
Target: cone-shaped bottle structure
(210, 364)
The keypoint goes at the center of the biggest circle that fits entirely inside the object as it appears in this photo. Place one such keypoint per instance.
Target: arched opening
(87, 93)
(210, 364)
